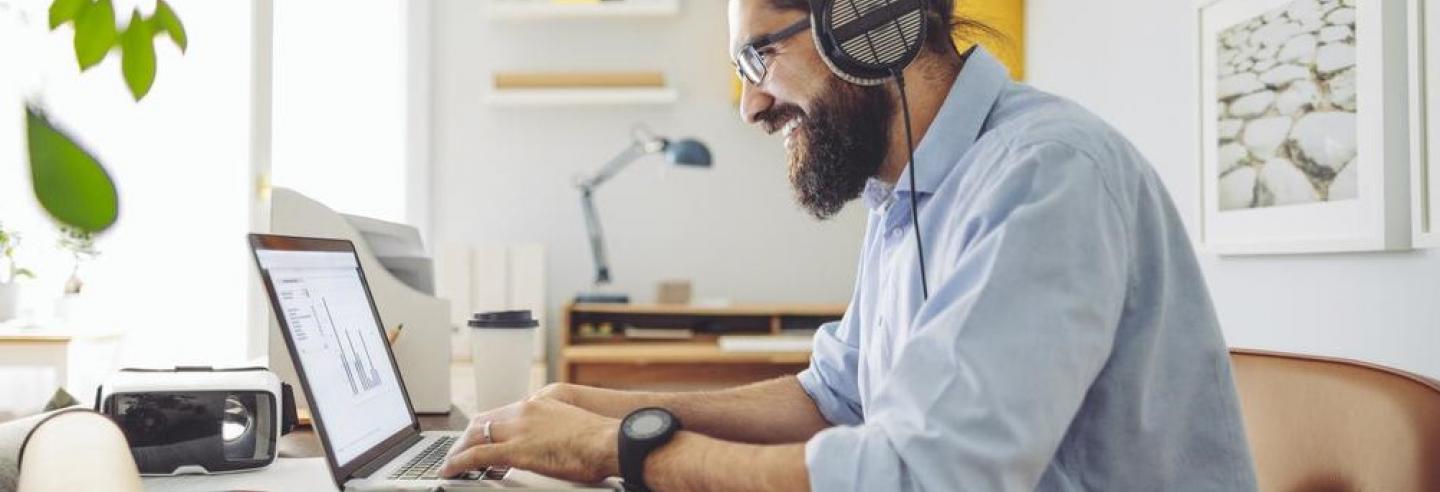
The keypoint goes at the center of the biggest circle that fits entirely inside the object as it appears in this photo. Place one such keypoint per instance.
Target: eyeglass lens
(752, 65)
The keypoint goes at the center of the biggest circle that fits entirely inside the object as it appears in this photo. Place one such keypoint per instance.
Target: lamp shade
(688, 152)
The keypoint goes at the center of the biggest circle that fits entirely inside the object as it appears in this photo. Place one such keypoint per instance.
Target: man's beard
(838, 146)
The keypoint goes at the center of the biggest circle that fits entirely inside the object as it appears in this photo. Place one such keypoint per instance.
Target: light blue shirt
(1069, 342)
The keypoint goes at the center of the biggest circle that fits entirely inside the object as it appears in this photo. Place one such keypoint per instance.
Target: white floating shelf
(581, 97)
(548, 9)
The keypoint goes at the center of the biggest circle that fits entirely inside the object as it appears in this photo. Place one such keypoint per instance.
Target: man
(1068, 341)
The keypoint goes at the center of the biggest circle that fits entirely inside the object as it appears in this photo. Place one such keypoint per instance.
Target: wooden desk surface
(304, 443)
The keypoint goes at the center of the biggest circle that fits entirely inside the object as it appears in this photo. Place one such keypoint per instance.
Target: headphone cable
(914, 192)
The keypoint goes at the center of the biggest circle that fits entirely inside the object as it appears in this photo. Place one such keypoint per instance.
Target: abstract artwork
(1302, 110)
(1287, 96)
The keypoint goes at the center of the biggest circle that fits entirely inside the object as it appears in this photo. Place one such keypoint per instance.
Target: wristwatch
(642, 432)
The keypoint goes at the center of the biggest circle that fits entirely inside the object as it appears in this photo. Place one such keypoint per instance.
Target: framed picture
(1304, 111)
(1425, 124)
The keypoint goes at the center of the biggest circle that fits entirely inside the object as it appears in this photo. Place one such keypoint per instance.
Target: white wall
(503, 175)
(1132, 62)
(172, 272)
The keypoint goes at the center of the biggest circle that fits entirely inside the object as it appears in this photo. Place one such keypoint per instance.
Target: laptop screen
(339, 347)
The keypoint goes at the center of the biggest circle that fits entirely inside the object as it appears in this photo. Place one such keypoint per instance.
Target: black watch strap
(632, 465)
(653, 427)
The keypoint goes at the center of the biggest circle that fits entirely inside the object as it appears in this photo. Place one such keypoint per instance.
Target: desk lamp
(685, 152)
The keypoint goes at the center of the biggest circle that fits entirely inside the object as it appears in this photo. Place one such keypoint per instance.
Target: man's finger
(475, 435)
(474, 458)
(460, 444)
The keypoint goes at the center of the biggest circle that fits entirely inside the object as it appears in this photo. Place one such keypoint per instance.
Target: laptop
(358, 401)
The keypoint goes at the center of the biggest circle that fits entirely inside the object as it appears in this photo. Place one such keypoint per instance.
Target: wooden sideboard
(597, 351)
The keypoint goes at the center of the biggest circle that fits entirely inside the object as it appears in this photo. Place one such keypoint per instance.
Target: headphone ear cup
(865, 41)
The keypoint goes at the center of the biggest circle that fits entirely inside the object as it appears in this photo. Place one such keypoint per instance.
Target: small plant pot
(9, 301)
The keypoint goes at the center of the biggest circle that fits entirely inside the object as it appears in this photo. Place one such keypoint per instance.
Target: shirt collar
(957, 125)
(877, 193)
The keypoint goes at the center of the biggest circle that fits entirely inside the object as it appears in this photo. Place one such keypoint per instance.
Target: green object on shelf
(9, 242)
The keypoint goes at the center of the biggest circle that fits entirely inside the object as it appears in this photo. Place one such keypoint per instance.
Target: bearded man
(1067, 341)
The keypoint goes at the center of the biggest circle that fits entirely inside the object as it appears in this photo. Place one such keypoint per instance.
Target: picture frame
(1425, 123)
(1304, 144)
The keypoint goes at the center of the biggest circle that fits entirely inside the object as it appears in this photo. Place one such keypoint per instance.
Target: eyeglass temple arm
(782, 34)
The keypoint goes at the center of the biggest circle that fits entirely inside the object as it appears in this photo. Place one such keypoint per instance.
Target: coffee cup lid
(504, 319)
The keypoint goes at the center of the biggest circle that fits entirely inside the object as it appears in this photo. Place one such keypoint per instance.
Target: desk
(304, 443)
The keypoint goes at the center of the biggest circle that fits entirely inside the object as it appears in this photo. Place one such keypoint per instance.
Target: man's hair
(942, 23)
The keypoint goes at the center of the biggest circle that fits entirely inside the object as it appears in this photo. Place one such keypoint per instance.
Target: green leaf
(62, 11)
(137, 56)
(94, 34)
(23, 272)
(165, 21)
(69, 181)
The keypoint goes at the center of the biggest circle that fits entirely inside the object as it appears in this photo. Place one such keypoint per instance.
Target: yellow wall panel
(1006, 16)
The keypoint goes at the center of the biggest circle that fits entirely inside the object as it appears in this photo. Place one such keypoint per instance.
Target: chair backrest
(1325, 424)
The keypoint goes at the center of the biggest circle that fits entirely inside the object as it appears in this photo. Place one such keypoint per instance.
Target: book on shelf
(659, 333)
(765, 343)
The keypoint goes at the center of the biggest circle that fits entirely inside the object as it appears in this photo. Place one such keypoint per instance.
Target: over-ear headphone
(868, 42)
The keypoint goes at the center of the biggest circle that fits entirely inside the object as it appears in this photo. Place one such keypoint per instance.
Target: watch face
(647, 424)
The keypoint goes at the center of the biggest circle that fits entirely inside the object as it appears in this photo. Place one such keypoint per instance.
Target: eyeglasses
(750, 61)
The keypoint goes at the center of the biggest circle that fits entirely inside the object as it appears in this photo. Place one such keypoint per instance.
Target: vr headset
(198, 419)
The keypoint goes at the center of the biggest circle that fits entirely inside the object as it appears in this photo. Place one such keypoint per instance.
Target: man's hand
(542, 435)
(562, 392)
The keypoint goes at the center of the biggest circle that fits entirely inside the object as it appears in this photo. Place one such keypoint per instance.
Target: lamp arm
(636, 150)
(596, 236)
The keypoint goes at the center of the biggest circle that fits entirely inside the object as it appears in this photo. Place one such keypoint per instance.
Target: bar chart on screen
(359, 367)
(343, 336)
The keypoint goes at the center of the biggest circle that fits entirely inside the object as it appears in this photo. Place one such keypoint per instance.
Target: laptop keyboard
(426, 465)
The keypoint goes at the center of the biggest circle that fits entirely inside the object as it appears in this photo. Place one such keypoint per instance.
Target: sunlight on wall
(339, 104)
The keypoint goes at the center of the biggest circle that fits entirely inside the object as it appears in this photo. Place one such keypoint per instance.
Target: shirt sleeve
(1003, 353)
(832, 380)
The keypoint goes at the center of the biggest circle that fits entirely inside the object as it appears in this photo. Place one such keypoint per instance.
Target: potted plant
(10, 274)
(81, 246)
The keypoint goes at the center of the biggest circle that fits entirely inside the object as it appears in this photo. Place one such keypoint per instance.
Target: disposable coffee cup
(502, 344)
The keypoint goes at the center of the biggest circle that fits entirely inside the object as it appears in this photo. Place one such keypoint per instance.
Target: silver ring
(485, 432)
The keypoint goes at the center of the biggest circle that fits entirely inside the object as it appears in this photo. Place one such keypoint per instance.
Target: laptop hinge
(386, 457)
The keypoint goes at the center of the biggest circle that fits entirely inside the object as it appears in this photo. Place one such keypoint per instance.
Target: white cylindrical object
(9, 300)
(501, 345)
